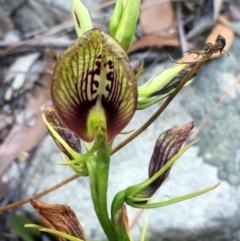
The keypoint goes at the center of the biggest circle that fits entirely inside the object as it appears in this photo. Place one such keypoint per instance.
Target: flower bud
(66, 140)
(59, 217)
(160, 86)
(166, 152)
(124, 21)
(167, 145)
(116, 17)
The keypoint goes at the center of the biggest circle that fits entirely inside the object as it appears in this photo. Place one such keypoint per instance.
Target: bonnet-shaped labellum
(93, 88)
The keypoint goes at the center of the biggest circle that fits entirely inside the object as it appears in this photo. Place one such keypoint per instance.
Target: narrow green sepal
(139, 71)
(81, 17)
(144, 229)
(126, 132)
(171, 201)
(126, 30)
(82, 171)
(83, 158)
(116, 17)
(53, 231)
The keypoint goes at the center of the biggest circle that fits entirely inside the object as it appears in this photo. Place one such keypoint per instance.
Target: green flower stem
(117, 202)
(103, 160)
(92, 170)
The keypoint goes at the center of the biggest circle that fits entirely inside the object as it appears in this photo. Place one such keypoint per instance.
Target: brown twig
(56, 29)
(49, 32)
(136, 217)
(40, 194)
(37, 43)
(181, 32)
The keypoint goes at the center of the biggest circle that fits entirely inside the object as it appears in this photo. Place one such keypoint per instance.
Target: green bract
(158, 82)
(93, 88)
(160, 86)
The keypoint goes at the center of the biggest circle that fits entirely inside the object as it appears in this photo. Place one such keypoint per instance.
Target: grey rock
(19, 68)
(26, 19)
(35, 17)
(219, 143)
(9, 8)
(5, 23)
(67, 5)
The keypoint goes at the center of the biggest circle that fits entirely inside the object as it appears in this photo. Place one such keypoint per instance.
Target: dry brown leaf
(158, 18)
(159, 41)
(59, 217)
(125, 219)
(121, 219)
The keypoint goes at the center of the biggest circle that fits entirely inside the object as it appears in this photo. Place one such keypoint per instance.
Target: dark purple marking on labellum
(94, 83)
(110, 76)
(98, 64)
(110, 64)
(97, 71)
